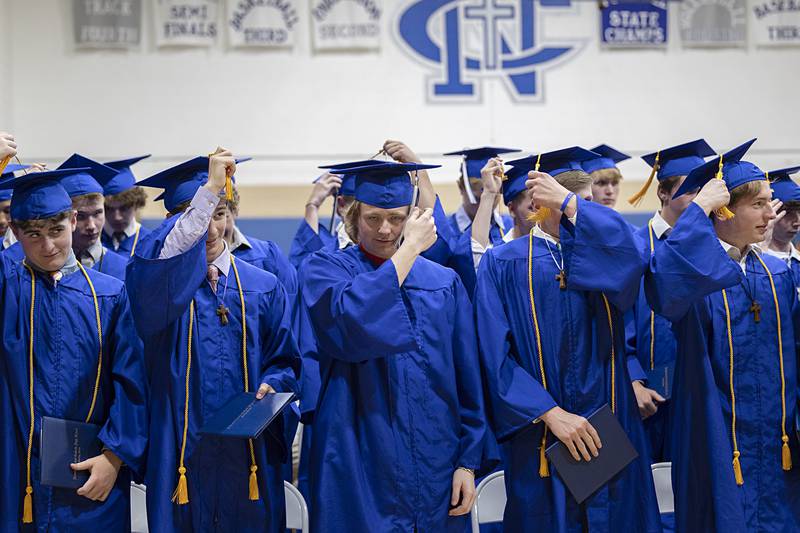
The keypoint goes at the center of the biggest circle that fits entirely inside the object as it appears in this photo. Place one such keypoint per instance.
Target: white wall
(293, 110)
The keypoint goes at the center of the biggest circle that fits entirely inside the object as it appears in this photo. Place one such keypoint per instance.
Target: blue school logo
(467, 41)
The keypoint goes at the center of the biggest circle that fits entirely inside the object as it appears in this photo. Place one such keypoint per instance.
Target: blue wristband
(566, 201)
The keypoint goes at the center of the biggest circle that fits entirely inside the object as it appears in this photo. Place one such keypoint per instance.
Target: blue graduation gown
(112, 264)
(15, 253)
(125, 246)
(684, 283)
(461, 259)
(307, 241)
(400, 406)
(65, 363)
(663, 353)
(217, 468)
(601, 257)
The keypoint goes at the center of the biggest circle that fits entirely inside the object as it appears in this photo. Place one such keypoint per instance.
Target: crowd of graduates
(425, 350)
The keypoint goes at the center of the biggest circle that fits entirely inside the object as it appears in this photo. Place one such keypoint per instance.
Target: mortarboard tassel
(228, 187)
(543, 213)
(722, 213)
(636, 199)
(737, 469)
(181, 494)
(544, 468)
(786, 454)
(27, 507)
(253, 483)
(4, 163)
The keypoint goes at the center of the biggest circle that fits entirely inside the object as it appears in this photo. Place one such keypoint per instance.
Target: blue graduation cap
(673, 161)
(476, 158)
(124, 180)
(609, 158)
(349, 180)
(514, 183)
(5, 194)
(782, 185)
(88, 181)
(729, 166)
(39, 194)
(386, 185)
(556, 162)
(181, 182)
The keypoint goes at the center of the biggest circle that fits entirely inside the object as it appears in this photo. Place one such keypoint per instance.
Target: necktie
(212, 276)
(118, 238)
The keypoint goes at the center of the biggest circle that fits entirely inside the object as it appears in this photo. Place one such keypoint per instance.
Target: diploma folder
(63, 442)
(585, 477)
(660, 380)
(245, 417)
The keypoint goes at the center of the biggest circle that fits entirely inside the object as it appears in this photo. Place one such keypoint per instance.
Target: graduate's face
(5, 217)
(118, 215)
(521, 208)
(379, 229)
(216, 230)
(477, 189)
(48, 245)
(605, 191)
(90, 218)
(676, 205)
(787, 228)
(752, 215)
(230, 223)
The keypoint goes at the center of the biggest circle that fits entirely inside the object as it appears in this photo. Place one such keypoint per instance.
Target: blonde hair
(611, 174)
(744, 191)
(574, 180)
(350, 219)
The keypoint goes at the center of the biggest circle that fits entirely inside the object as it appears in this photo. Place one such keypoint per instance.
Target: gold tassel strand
(723, 213)
(181, 494)
(544, 469)
(636, 199)
(543, 213)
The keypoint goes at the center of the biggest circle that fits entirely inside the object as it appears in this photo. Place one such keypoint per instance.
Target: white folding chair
(296, 508)
(490, 501)
(662, 479)
(139, 509)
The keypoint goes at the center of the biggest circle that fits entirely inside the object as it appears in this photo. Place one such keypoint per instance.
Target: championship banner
(634, 24)
(346, 24)
(718, 23)
(775, 22)
(261, 23)
(186, 22)
(107, 23)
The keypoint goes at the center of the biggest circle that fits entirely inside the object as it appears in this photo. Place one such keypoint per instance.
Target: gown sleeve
(634, 367)
(514, 397)
(306, 241)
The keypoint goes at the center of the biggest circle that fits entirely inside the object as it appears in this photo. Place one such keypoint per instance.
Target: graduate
(399, 429)
(213, 326)
(5, 207)
(787, 223)
(734, 314)
(69, 351)
(123, 200)
(86, 191)
(551, 337)
(605, 174)
(650, 340)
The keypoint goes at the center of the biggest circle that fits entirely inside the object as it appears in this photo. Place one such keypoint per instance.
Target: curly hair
(135, 197)
(41, 223)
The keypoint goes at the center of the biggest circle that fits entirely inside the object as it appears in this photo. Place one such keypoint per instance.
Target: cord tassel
(544, 468)
(540, 215)
(4, 163)
(737, 469)
(722, 213)
(27, 507)
(636, 199)
(253, 484)
(786, 454)
(181, 494)
(228, 188)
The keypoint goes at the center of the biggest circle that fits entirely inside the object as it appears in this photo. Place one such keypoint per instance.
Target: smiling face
(750, 204)
(380, 229)
(46, 242)
(216, 231)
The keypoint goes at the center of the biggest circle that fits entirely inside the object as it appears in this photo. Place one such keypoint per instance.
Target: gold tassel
(636, 199)
(723, 213)
(181, 495)
(228, 188)
(4, 163)
(541, 214)
(544, 468)
(737, 469)
(27, 507)
(253, 483)
(786, 454)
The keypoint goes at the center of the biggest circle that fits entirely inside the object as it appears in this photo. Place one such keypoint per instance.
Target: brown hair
(181, 207)
(744, 191)
(351, 217)
(91, 197)
(574, 180)
(135, 198)
(41, 223)
(611, 174)
(667, 185)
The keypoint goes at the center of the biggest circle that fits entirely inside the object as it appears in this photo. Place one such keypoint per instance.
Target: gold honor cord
(27, 508)
(136, 238)
(613, 356)
(542, 213)
(544, 469)
(636, 199)
(737, 466)
(652, 313)
(181, 494)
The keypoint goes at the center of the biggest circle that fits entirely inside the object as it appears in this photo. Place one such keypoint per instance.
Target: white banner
(346, 24)
(261, 23)
(107, 23)
(775, 22)
(186, 22)
(717, 23)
